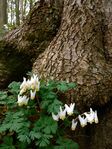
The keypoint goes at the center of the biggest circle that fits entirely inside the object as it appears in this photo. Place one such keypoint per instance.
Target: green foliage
(63, 86)
(20, 127)
(14, 87)
(7, 143)
(3, 97)
(64, 143)
(10, 97)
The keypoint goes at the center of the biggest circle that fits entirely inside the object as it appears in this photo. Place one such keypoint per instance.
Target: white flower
(83, 121)
(24, 83)
(29, 83)
(55, 117)
(90, 116)
(70, 109)
(22, 100)
(62, 113)
(23, 86)
(22, 91)
(74, 124)
(95, 117)
(32, 94)
(34, 83)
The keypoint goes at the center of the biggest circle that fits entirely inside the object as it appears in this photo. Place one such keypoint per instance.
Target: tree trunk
(31, 3)
(17, 12)
(3, 12)
(21, 10)
(80, 52)
(24, 11)
(38, 29)
(29, 40)
(12, 12)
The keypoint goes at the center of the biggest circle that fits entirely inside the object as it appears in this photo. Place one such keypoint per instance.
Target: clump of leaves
(22, 127)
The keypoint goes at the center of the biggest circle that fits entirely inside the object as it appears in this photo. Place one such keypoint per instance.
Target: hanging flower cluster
(62, 113)
(31, 85)
(87, 117)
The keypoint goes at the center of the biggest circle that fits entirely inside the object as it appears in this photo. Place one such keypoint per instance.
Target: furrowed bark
(81, 53)
(79, 50)
(38, 29)
(78, 53)
(25, 43)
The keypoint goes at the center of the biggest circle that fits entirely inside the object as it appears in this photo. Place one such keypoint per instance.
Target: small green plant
(30, 113)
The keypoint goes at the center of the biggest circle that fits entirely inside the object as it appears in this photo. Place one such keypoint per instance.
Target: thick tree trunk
(80, 52)
(38, 29)
(29, 40)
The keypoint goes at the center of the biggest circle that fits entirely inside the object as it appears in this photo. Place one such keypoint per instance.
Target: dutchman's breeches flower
(28, 90)
(74, 124)
(95, 117)
(70, 108)
(32, 94)
(87, 117)
(34, 83)
(23, 86)
(83, 121)
(91, 116)
(55, 117)
(22, 100)
(62, 113)
(24, 83)
(31, 85)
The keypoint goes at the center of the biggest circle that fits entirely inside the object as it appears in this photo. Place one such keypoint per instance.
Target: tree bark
(79, 50)
(29, 40)
(17, 12)
(3, 13)
(38, 29)
(31, 3)
(21, 10)
(79, 53)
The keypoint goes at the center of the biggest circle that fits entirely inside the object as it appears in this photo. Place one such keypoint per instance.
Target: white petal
(91, 110)
(67, 107)
(23, 83)
(55, 117)
(22, 100)
(70, 109)
(95, 117)
(90, 117)
(32, 94)
(83, 121)
(62, 113)
(74, 124)
(23, 90)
